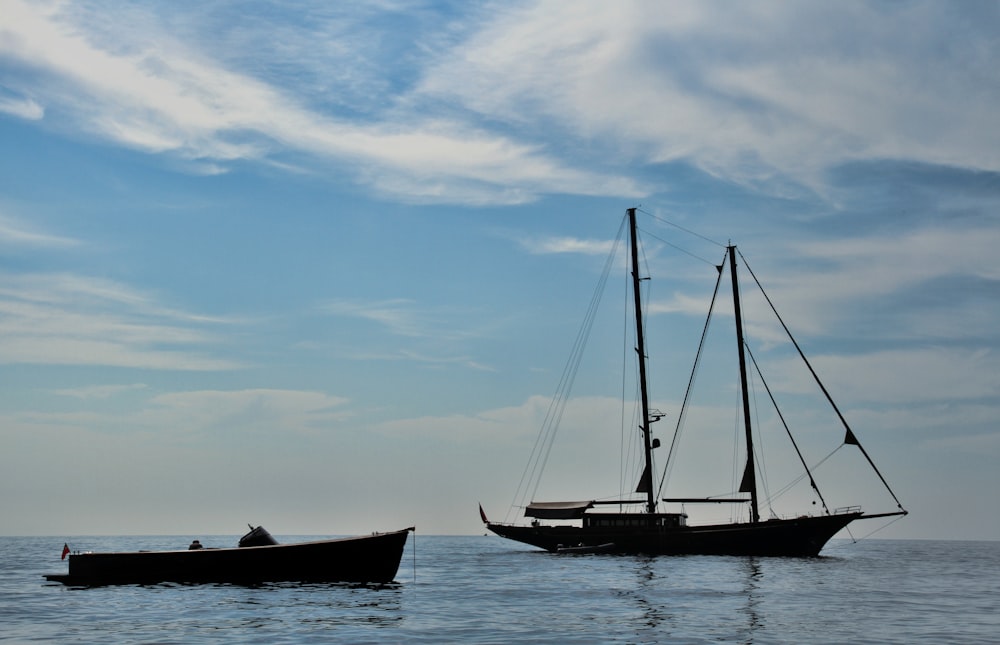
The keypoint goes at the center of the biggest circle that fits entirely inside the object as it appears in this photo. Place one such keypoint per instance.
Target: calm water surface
(487, 590)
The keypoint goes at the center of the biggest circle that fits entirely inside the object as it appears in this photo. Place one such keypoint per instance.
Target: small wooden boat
(259, 558)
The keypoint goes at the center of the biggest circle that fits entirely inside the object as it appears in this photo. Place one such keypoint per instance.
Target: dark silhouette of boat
(646, 529)
(372, 559)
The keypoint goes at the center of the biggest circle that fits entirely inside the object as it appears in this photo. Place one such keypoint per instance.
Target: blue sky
(319, 265)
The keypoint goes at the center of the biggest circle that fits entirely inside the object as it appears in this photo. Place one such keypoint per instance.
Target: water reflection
(316, 606)
(752, 577)
(654, 616)
(693, 598)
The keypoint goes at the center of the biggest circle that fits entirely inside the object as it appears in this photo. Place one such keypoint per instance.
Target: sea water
(488, 590)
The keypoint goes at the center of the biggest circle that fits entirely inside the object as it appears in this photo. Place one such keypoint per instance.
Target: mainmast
(646, 484)
(749, 482)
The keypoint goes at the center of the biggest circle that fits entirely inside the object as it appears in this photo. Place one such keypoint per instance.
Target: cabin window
(670, 520)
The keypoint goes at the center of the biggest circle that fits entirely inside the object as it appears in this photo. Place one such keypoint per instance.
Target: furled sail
(557, 510)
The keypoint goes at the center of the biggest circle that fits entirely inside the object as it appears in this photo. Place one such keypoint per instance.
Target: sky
(319, 266)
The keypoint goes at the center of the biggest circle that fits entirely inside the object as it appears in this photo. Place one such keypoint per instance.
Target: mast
(749, 482)
(646, 484)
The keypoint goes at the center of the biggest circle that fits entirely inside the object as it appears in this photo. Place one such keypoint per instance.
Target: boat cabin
(578, 511)
(625, 520)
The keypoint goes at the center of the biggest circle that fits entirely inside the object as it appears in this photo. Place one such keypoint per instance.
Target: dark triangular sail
(646, 481)
(747, 483)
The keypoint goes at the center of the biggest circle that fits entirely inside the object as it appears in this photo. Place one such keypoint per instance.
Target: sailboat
(636, 523)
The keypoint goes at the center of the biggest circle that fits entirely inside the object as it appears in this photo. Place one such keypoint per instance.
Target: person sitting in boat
(195, 545)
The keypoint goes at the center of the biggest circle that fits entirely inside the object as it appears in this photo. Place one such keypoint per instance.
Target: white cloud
(267, 410)
(747, 92)
(64, 319)
(403, 317)
(829, 286)
(438, 330)
(567, 245)
(17, 234)
(917, 376)
(99, 391)
(839, 278)
(739, 91)
(157, 94)
(23, 108)
(400, 316)
(965, 444)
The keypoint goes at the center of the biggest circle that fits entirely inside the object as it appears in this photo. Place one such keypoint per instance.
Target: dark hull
(368, 559)
(803, 536)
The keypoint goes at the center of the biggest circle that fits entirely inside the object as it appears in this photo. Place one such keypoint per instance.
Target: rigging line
(575, 359)
(560, 406)
(626, 443)
(668, 465)
(646, 423)
(622, 460)
(679, 227)
(759, 452)
(821, 386)
(815, 466)
(550, 423)
(674, 246)
(545, 430)
(633, 449)
(637, 454)
(855, 540)
(630, 450)
(884, 526)
(788, 431)
(736, 472)
(740, 461)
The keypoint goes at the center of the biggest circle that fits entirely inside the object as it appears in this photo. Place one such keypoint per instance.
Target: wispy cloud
(890, 377)
(509, 424)
(407, 318)
(15, 233)
(21, 107)
(547, 245)
(843, 277)
(753, 93)
(202, 412)
(158, 94)
(464, 361)
(736, 90)
(100, 391)
(399, 316)
(435, 331)
(965, 444)
(251, 410)
(66, 319)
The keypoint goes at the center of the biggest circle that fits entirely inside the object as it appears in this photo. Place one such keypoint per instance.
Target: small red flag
(482, 514)
(65, 552)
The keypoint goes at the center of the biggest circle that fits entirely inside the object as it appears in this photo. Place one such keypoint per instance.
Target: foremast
(749, 482)
(646, 483)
